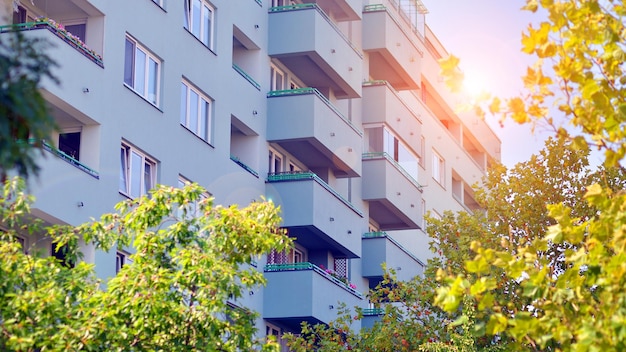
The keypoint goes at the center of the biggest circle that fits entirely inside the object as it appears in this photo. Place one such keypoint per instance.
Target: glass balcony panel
(395, 52)
(305, 124)
(309, 44)
(303, 292)
(394, 196)
(315, 214)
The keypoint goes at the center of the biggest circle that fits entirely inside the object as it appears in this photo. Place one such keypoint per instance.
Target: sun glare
(474, 84)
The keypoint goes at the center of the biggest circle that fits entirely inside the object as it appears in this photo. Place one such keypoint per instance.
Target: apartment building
(332, 109)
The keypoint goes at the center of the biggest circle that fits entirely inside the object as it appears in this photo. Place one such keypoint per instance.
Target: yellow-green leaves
(453, 77)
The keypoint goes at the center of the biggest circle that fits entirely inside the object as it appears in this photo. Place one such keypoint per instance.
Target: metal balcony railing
(373, 311)
(311, 266)
(68, 159)
(307, 175)
(244, 166)
(310, 90)
(247, 77)
(55, 28)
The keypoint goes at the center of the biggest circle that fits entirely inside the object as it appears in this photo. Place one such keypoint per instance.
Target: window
(195, 111)
(422, 151)
(277, 79)
(137, 172)
(121, 259)
(438, 169)
(142, 71)
(395, 148)
(193, 208)
(62, 255)
(69, 143)
(199, 20)
(275, 162)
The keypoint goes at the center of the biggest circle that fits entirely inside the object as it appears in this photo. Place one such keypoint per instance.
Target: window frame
(127, 151)
(189, 24)
(439, 169)
(276, 83)
(122, 258)
(275, 156)
(132, 81)
(202, 98)
(182, 182)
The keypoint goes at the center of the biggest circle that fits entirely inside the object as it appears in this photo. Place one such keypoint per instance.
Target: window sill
(142, 97)
(200, 41)
(198, 137)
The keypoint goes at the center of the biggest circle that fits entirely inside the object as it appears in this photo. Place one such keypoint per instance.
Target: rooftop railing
(52, 26)
(309, 6)
(307, 175)
(310, 90)
(317, 269)
(384, 155)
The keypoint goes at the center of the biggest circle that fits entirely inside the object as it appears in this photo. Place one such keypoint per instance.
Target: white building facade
(333, 109)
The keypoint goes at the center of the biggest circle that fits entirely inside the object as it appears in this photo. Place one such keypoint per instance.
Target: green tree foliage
(568, 264)
(515, 214)
(191, 258)
(23, 111)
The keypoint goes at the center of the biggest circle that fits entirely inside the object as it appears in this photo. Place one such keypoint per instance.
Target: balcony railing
(373, 311)
(68, 159)
(311, 266)
(367, 156)
(310, 90)
(383, 234)
(247, 77)
(305, 6)
(69, 38)
(244, 166)
(298, 176)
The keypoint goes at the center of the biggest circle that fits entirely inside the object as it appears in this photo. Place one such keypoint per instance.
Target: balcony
(308, 42)
(371, 316)
(314, 213)
(307, 125)
(379, 248)
(382, 104)
(250, 101)
(395, 51)
(304, 292)
(71, 58)
(64, 182)
(394, 196)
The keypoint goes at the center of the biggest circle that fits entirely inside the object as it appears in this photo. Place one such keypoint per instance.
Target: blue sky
(485, 35)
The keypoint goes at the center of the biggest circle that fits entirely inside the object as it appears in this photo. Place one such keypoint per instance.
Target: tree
(173, 296)
(580, 52)
(24, 115)
(514, 214)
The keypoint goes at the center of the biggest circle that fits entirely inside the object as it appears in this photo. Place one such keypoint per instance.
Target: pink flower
(352, 286)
